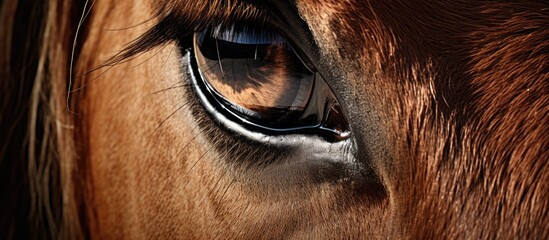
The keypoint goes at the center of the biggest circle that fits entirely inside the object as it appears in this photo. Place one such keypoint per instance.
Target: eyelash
(256, 152)
(167, 31)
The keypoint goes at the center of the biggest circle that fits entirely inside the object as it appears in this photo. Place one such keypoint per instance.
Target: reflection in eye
(257, 76)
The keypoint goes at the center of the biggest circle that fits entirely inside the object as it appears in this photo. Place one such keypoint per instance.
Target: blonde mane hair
(37, 148)
(479, 144)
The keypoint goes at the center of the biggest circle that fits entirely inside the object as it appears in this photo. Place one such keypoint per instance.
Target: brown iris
(257, 75)
(261, 76)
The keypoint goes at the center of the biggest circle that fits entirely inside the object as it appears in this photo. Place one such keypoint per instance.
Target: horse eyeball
(257, 76)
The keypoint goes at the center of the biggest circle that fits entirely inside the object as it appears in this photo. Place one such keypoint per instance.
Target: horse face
(446, 105)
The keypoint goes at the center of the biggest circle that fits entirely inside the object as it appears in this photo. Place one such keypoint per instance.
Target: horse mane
(44, 182)
(37, 150)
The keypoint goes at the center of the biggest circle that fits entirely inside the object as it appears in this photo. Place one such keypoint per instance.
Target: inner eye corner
(258, 80)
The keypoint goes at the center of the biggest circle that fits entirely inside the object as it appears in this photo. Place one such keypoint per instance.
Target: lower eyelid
(264, 88)
(286, 158)
(283, 142)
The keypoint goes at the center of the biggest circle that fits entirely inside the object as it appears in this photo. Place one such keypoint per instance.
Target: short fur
(448, 101)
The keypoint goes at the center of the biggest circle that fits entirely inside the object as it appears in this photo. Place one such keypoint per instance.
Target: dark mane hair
(491, 150)
(36, 150)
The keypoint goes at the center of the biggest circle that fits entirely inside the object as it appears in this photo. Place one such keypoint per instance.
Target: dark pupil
(260, 77)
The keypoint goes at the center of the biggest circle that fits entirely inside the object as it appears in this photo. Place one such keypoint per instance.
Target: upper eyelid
(180, 20)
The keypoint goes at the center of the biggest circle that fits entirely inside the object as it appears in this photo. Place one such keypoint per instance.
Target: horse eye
(255, 77)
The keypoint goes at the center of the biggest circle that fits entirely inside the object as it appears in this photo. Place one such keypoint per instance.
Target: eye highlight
(255, 77)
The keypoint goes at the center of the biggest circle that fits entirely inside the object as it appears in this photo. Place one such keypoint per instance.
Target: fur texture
(448, 102)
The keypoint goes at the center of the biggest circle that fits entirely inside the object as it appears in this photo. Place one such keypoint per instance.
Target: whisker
(189, 142)
(168, 57)
(130, 27)
(169, 88)
(203, 154)
(228, 186)
(200, 158)
(217, 182)
(149, 58)
(179, 108)
(109, 67)
(211, 67)
(93, 79)
(219, 58)
(173, 85)
(71, 65)
(89, 9)
(113, 62)
(226, 190)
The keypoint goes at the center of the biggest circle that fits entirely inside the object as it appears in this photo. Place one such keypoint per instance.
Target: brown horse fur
(448, 102)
